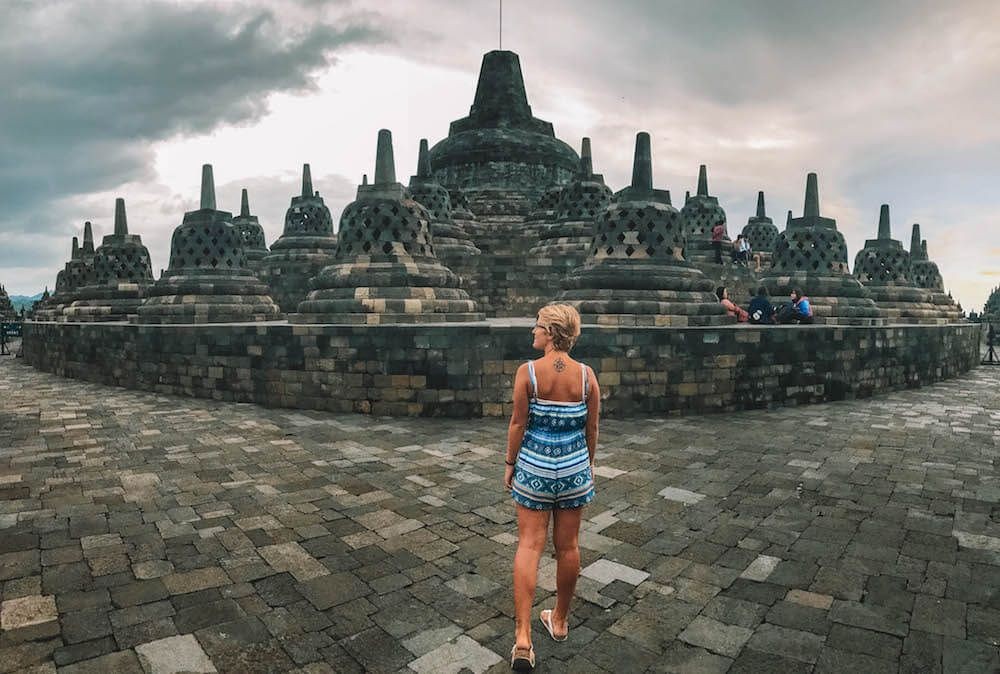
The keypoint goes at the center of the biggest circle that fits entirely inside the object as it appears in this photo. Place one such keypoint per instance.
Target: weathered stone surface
(174, 655)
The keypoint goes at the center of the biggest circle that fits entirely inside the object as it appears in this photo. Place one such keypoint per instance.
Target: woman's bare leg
(532, 527)
(565, 537)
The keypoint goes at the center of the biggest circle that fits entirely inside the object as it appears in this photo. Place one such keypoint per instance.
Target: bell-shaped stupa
(564, 244)
(761, 231)
(883, 266)
(122, 273)
(636, 273)
(51, 306)
(701, 213)
(501, 155)
(208, 280)
(926, 275)
(253, 234)
(991, 310)
(76, 274)
(811, 257)
(385, 269)
(7, 311)
(303, 249)
(451, 241)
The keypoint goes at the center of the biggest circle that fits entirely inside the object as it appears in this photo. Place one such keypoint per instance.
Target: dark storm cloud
(81, 106)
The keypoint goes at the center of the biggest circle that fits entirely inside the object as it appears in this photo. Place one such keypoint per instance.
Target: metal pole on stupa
(884, 267)
(305, 247)
(208, 279)
(636, 273)
(122, 273)
(385, 270)
(811, 257)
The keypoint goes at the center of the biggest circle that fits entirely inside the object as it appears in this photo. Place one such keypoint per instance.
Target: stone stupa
(500, 154)
(761, 232)
(7, 311)
(883, 266)
(385, 270)
(926, 275)
(451, 241)
(701, 213)
(306, 245)
(122, 273)
(208, 280)
(51, 306)
(811, 256)
(254, 242)
(636, 273)
(991, 310)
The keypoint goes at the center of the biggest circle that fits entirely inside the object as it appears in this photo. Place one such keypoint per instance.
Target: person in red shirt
(718, 234)
(731, 307)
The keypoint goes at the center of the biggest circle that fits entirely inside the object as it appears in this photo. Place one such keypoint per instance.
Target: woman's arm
(593, 413)
(518, 422)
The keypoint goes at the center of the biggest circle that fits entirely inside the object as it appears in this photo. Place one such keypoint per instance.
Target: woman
(550, 458)
(731, 308)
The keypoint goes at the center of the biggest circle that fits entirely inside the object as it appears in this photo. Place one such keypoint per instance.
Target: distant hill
(24, 301)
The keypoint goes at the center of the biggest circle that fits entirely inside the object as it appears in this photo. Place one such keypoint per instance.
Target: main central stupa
(501, 156)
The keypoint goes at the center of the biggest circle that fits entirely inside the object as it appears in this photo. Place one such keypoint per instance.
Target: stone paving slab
(151, 533)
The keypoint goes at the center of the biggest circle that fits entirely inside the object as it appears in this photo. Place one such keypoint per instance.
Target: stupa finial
(307, 181)
(811, 209)
(642, 164)
(244, 204)
(121, 222)
(702, 181)
(884, 231)
(364, 178)
(424, 160)
(687, 196)
(385, 164)
(761, 213)
(75, 251)
(915, 240)
(586, 161)
(923, 249)
(788, 220)
(207, 187)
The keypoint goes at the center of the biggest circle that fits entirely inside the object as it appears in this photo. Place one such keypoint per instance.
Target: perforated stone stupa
(701, 213)
(51, 305)
(501, 155)
(927, 275)
(564, 243)
(991, 310)
(811, 256)
(385, 270)
(208, 280)
(122, 273)
(883, 266)
(760, 230)
(254, 241)
(636, 273)
(451, 241)
(303, 249)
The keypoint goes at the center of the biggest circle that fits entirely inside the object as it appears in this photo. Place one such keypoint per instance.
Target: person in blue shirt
(761, 310)
(799, 311)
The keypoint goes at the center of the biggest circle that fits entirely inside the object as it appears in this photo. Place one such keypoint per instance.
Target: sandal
(522, 659)
(546, 618)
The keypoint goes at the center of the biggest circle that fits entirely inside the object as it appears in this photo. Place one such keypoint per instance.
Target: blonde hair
(563, 323)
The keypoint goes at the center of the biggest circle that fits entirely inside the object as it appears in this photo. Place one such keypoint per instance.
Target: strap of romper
(583, 369)
(534, 382)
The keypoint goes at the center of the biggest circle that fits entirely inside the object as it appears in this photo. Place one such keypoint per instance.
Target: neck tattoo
(560, 364)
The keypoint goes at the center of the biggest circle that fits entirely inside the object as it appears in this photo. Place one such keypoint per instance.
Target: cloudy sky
(889, 101)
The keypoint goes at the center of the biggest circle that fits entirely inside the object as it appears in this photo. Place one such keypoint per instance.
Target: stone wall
(466, 370)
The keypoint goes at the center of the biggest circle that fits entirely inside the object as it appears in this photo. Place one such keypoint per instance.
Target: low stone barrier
(466, 370)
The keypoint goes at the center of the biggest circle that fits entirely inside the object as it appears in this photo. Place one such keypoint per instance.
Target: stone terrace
(151, 533)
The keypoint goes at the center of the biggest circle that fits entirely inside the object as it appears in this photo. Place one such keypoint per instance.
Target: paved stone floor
(149, 533)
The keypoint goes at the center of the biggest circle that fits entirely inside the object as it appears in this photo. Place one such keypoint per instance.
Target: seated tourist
(799, 311)
(739, 312)
(761, 310)
(741, 250)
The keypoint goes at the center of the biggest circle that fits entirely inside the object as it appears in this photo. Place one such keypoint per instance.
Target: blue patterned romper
(553, 464)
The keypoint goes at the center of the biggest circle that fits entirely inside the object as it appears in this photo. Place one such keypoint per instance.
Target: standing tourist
(551, 443)
(718, 233)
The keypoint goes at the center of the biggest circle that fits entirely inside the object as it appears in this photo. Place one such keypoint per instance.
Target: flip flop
(522, 659)
(546, 618)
